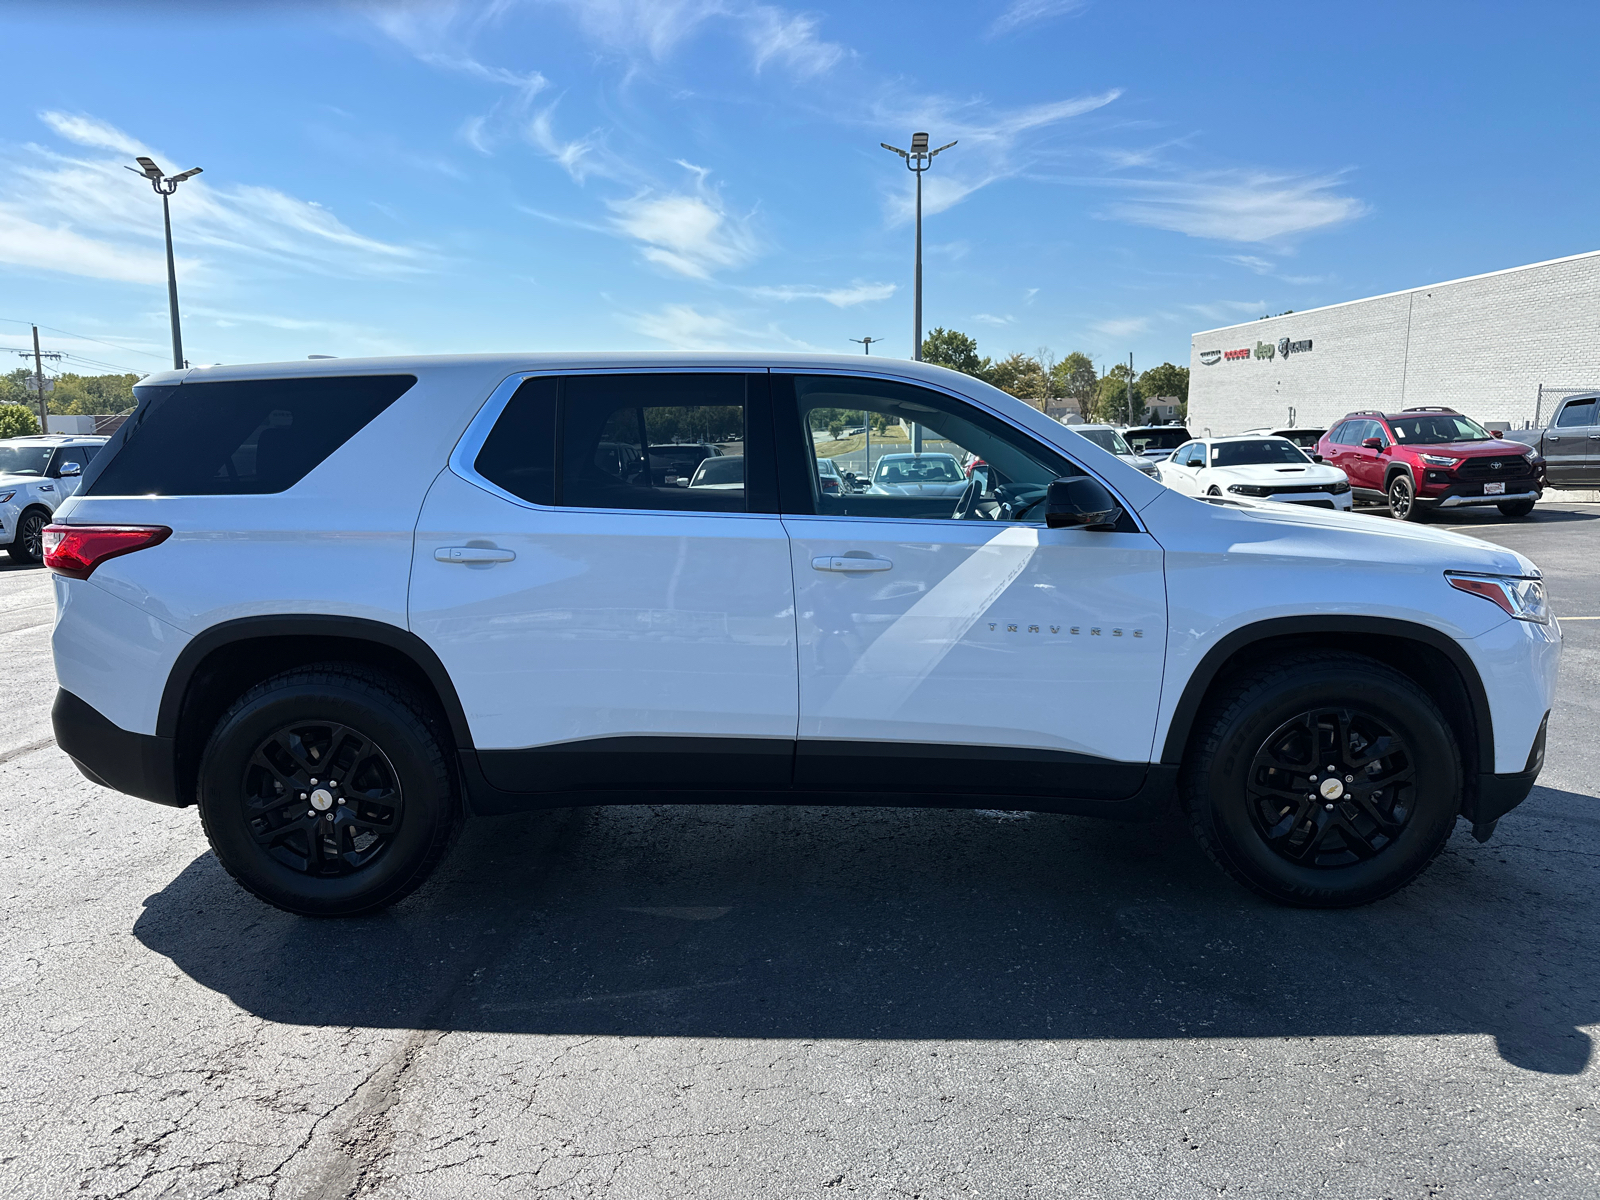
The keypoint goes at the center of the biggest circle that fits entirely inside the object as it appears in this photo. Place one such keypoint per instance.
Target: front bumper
(138, 764)
(1470, 501)
(1496, 795)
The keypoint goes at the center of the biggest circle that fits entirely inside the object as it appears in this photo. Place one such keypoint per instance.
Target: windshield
(1157, 439)
(719, 470)
(922, 468)
(1106, 439)
(1437, 427)
(1247, 454)
(24, 460)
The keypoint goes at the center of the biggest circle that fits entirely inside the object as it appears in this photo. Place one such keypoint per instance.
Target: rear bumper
(139, 764)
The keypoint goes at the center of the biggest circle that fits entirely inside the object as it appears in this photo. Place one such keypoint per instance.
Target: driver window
(877, 448)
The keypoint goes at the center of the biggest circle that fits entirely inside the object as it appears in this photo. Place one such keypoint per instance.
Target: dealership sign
(1286, 347)
(1211, 357)
(1263, 350)
(1236, 355)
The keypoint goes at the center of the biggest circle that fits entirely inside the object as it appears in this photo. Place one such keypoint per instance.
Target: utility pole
(38, 377)
(1131, 421)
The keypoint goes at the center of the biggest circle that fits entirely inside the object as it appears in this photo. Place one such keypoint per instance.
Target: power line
(82, 337)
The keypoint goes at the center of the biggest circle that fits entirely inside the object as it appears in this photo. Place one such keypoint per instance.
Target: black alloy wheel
(326, 791)
(1322, 779)
(1330, 787)
(1403, 504)
(28, 545)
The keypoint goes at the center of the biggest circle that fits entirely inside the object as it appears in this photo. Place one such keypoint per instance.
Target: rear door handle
(473, 554)
(841, 562)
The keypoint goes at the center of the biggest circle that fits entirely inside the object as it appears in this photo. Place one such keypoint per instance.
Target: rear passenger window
(639, 441)
(239, 437)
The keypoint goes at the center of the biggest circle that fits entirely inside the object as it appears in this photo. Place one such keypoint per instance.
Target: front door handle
(473, 554)
(843, 562)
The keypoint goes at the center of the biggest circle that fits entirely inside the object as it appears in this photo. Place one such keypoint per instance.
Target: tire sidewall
(19, 550)
(1402, 483)
(1437, 795)
(424, 783)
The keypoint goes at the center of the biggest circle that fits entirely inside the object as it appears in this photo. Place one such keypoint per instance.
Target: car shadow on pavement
(747, 922)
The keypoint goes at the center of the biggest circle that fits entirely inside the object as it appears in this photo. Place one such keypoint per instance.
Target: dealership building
(1498, 347)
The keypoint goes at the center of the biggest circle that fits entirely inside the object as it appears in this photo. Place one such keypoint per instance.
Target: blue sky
(557, 174)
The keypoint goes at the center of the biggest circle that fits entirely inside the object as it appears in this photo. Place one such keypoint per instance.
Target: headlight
(1248, 489)
(1520, 596)
(1340, 488)
(1531, 454)
(5, 497)
(1439, 460)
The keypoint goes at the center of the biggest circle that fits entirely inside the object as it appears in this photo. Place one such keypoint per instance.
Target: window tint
(1339, 435)
(968, 464)
(1437, 427)
(640, 441)
(1578, 412)
(1159, 438)
(1266, 451)
(242, 437)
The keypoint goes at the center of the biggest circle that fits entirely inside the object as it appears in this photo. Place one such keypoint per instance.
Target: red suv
(1430, 458)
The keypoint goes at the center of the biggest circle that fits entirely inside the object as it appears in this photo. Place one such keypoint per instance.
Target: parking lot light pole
(867, 342)
(164, 186)
(918, 159)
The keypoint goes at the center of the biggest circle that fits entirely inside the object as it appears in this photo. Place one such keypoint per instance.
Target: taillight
(76, 550)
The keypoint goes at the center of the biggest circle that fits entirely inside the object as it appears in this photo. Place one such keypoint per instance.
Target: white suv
(341, 605)
(36, 474)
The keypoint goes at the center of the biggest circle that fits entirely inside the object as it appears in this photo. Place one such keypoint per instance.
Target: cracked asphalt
(742, 1001)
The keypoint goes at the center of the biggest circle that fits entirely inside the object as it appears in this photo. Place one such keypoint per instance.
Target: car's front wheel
(1324, 779)
(326, 791)
(1517, 508)
(1402, 495)
(27, 546)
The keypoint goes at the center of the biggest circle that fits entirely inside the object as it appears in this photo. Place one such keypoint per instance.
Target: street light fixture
(918, 159)
(164, 187)
(867, 342)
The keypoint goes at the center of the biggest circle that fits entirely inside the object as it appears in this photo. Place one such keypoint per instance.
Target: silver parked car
(1109, 438)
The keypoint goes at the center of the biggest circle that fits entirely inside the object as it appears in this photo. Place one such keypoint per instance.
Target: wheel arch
(1399, 468)
(1434, 660)
(222, 662)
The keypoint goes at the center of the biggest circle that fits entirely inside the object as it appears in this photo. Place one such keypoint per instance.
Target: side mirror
(1081, 502)
(1497, 433)
(1372, 443)
(69, 469)
(1315, 457)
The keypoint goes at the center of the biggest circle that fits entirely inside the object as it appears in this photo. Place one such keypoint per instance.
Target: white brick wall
(1482, 345)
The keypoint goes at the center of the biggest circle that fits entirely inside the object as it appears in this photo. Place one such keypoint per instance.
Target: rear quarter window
(237, 437)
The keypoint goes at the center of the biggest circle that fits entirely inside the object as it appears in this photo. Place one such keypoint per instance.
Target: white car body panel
(1199, 481)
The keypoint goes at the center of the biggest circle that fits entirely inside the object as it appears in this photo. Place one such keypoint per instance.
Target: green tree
(1167, 380)
(1023, 377)
(953, 349)
(1075, 379)
(86, 394)
(17, 420)
(1111, 398)
(14, 387)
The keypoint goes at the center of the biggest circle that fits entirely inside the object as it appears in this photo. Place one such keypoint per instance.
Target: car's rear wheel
(1402, 495)
(1323, 780)
(1517, 508)
(326, 791)
(27, 546)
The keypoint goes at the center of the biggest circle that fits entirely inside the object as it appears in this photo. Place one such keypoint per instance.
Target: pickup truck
(1570, 445)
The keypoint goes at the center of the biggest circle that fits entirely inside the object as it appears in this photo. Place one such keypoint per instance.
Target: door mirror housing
(70, 469)
(1372, 443)
(1315, 457)
(1497, 433)
(1081, 502)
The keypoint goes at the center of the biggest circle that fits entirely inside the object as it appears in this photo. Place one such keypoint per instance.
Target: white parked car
(36, 474)
(341, 606)
(1255, 468)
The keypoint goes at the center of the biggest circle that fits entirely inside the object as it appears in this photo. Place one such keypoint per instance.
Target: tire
(27, 547)
(1214, 490)
(1517, 508)
(1344, 847)
(1402, 496)
(383, 750)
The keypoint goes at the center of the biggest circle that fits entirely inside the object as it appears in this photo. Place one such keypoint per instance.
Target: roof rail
(1367, 412)
(1431, 408)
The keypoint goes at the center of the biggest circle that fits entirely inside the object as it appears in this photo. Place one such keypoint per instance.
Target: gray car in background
(1109, 438)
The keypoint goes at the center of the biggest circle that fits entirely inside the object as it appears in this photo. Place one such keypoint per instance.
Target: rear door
(952, 643)
(604, 624)
(1367, 465)
(1572, 443)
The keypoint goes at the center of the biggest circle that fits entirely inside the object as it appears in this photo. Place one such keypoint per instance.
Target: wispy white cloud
(652, 30)
(1238, 206)
(1025, 12)
(840, 297)
(992, 319)
(1221, 310)
(689, 234)
(776, 36)
(1121, 327)
(82, 214)
(685, 327)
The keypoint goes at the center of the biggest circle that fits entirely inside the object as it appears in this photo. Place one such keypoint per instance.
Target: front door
(602, 615)
(949, 642)
(1572, 444)
(1181, 472)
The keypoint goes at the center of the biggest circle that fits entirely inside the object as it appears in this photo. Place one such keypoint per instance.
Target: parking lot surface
(741, 1001)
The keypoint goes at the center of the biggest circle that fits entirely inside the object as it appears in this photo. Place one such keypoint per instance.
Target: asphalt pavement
(773, 1002)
